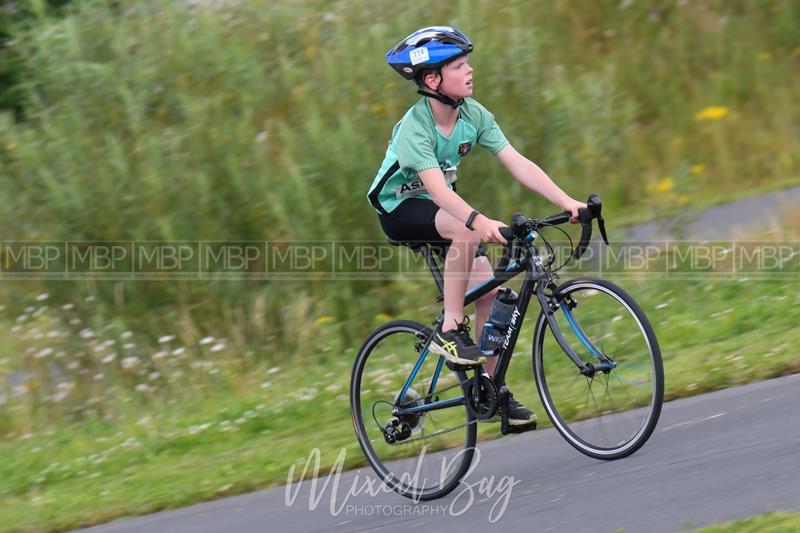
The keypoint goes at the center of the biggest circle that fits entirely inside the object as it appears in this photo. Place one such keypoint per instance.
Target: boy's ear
(432, 80)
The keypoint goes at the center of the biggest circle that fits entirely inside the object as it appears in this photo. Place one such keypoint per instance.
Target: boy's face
(457, 79)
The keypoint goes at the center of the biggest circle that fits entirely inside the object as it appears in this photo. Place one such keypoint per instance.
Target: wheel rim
(609, 414)
(413, 467)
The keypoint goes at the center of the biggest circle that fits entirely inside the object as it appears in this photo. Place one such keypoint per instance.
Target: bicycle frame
(538, 277)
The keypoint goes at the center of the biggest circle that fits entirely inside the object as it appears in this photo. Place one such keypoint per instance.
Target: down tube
(526, 293)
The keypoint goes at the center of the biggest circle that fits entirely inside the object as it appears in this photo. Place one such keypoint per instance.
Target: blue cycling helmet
(429, 48)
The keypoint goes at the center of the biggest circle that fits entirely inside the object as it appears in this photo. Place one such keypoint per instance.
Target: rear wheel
(426, 454)
(611, 414)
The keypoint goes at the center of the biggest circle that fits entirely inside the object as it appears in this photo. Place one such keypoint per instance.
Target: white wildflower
(307, 394)
(42, 297)
(43, 353)
(165, 339)
(206, 340)
(129, 363)
(178, 351)
(109, 358)
(217, 347)
(67, 307)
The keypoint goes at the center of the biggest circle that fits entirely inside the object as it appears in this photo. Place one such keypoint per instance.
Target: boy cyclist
(414, 192)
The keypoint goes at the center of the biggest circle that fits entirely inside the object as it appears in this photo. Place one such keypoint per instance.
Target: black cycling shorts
(414, 221)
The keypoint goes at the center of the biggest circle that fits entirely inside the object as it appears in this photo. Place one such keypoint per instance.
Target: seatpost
(435, 272)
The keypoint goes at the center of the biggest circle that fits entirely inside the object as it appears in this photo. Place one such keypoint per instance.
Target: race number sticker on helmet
(420, 55)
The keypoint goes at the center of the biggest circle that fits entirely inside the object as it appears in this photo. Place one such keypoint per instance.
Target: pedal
(518, 429)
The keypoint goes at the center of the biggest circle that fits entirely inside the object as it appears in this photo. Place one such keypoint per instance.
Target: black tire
(639, 375)
(385, 459)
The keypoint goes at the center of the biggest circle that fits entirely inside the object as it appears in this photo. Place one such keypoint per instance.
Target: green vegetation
(226, 431)
(766, 523)
(267, 120)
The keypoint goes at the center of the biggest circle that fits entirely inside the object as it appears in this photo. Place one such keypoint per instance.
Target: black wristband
(471, 218)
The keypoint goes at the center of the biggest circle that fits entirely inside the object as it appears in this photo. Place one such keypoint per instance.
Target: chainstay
(436, 434)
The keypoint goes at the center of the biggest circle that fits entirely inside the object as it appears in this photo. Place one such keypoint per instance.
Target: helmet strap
(442, 98)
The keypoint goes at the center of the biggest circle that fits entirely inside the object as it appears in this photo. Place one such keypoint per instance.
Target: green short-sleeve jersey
(417, 144)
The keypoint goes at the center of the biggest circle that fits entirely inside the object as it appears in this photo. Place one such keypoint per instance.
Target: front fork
(553, 301)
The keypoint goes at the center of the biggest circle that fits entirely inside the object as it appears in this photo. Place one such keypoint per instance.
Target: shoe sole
(454, 359)
(519, 422)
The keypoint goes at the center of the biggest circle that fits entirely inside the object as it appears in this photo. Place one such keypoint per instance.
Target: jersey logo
(464, 148)
(416, 188)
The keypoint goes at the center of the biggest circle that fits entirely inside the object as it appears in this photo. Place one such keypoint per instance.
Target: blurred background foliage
(267, 121)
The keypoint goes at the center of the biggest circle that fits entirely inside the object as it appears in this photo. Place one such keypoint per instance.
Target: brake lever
(596, 207)
(602, 225)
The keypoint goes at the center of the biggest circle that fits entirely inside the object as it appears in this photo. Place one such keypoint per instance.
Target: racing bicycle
(595, 358)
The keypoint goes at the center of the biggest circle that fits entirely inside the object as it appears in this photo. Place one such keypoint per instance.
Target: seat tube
(434, 268)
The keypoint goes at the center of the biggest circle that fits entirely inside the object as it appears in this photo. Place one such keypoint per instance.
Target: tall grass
(264, 120)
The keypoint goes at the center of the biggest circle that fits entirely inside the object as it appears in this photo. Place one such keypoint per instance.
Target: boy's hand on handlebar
(572, 206)
(489, 229)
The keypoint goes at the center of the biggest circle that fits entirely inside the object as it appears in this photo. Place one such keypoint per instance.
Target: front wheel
(612, 413)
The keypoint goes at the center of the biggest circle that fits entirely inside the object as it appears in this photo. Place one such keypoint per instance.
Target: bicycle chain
(440, 432)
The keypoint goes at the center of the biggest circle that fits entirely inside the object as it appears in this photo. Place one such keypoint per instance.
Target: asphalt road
(716, 457)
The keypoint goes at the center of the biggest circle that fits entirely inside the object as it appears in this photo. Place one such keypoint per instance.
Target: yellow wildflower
(323, 320)
(665, 185)
(764, 56)
(711, 113)
(698, 168)
(383, 317)
(11, 146)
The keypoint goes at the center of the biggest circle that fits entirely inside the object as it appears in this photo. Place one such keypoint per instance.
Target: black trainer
(457, 346)
(518, 414)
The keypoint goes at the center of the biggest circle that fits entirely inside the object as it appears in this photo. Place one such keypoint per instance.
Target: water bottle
(494, 331)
